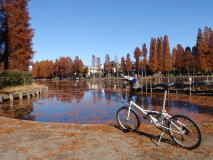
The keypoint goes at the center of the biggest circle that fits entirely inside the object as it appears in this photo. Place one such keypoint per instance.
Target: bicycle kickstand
(161, 135)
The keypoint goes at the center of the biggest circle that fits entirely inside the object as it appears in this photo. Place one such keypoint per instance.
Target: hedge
(14, 78)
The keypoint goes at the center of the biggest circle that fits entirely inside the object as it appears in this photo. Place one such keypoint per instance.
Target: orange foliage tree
(144, 58)
(201, 49)
(188, 60)
(167, 60)
(153, 56)
(210, 52)
(122, 64)
(128, 63)
(108, 65)
(43, 69)
(180, 58)
(160, 54)
(17, 39)
(137, 54)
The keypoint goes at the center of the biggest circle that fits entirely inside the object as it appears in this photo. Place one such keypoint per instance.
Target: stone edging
(23, 94)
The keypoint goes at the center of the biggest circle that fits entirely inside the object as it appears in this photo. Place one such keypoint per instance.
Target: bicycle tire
(188, 130)
(134, 117)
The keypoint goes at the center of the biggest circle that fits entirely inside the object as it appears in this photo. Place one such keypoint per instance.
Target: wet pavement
(96, 101)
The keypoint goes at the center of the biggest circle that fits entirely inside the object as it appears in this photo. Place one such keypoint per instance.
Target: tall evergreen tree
(210, 53)
(18, 51)
(137, 54)
(201, 50)
(108, 65)
(206, 35)
(180, 58)
(122, 64)
(153, 56)
(174, 57)
(188, 59)
(128, 63)
(144, 60)
(167, 55)
(160, 54)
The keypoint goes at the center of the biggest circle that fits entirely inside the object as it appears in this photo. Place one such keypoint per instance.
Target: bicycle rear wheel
(185, 132)
(130, 123)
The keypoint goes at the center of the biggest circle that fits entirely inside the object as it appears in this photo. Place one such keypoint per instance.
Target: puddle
(96, 101)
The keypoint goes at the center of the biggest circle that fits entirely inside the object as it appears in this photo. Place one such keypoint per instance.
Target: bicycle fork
(128, 114)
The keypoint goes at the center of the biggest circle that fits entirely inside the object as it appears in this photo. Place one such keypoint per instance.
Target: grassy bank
(20, 88)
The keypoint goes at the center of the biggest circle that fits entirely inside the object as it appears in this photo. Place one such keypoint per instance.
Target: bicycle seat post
(164, 101)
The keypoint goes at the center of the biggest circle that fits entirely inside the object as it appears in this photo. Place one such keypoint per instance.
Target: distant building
(94, 70)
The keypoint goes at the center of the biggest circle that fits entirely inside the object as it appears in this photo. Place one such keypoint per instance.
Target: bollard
(20, 95)
(1, 99)
(28, 95)
(33, 93)
(11, 97)
(142, 84)
(190, 86)
(37, 93)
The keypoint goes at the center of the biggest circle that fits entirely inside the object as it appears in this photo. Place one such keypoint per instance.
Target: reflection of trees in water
(108, 95)
(18, 111)
(70, 90)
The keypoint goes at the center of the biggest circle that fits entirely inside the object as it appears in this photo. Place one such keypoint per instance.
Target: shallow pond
(96, 101)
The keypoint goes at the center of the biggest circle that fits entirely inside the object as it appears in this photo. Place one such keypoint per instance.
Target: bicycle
(180, 127)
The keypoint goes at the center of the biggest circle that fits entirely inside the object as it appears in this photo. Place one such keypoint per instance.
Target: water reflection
(92, 101)
(17, 110)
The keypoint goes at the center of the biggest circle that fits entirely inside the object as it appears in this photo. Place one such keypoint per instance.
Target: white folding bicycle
(183, 130)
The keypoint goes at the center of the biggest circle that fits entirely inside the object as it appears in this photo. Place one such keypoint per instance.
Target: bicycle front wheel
(185, 132)
(127, 122)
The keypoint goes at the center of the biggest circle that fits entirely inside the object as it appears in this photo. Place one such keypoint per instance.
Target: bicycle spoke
(185, 132)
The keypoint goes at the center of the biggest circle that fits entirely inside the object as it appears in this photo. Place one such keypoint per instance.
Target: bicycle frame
(163, 115)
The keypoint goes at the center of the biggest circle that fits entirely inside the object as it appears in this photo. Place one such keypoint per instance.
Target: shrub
(14, 78)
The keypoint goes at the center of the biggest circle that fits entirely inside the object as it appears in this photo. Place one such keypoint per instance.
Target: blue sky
(115, 27)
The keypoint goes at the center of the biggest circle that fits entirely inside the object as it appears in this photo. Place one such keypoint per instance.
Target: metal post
(1, 99)
(11, 97)
(20, 95)
(164, 101)
(190, 86)
(142, 84)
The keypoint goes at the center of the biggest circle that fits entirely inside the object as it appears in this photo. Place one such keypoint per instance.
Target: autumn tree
(128, 63)
(108, 66)
(188, 59)
(93, 62)
(116, 65)
(153, 56)
(98, 63)
(180, 58)
(174, 57)
(144, 58)
(56, 68)
(17, 39)
(206, 35)
(167, 61)
(78, 66)
(123, 64)
(160, 54)
(137, 54)
(201, 49)
(210, 52)
(43, 69)
(69, 69)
